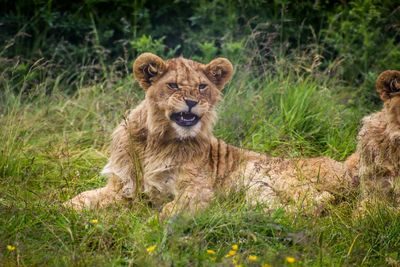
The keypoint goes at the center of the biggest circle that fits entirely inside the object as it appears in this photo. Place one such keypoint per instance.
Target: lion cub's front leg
(98, 198)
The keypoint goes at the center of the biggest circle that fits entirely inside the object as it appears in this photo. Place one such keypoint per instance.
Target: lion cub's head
(388, 87)
(182, 93)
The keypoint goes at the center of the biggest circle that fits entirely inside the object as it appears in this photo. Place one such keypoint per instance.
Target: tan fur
(180, 168)
(377, 159)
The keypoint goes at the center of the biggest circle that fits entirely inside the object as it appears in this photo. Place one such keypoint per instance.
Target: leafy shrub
(365, 36)
(148, 44)
(353, 41)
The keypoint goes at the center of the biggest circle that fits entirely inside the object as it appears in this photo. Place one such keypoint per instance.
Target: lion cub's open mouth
(185, 119)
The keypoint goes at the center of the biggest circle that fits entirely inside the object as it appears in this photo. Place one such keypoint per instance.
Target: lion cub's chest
(164, 177)
(160, 177)
(379, 151)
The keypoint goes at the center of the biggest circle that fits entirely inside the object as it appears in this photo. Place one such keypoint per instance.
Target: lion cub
(377, 158)
(166, 149)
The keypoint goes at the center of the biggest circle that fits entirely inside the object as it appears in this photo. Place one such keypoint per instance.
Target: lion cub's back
(325, 173)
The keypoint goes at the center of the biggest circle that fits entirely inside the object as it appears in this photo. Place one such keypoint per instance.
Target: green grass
(54, 145)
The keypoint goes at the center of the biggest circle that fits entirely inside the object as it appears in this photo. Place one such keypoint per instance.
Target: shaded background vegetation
(305, 73)
(349, 40)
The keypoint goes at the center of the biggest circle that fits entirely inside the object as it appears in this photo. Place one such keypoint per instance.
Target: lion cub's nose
(191, 103)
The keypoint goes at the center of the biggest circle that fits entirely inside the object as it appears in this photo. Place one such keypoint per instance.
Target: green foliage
(366, 37)
(156, 46)
(233, 50)
(354, 41)
(147, 44)
(208, 51)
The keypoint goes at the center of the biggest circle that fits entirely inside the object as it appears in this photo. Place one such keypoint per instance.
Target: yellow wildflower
(239, 265)
(265, 265)
(253, 258)
(290, 259)
(234, 260)
(231, 253)
(94, 221)
(235, 247)
(151, 249)
(11, 247)
(210, 252)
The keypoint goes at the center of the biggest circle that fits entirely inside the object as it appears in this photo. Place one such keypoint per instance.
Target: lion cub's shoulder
(138, 115)
(133, 127)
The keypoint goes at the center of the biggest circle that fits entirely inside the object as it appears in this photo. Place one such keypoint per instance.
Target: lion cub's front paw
(128, 191)
(77, 203)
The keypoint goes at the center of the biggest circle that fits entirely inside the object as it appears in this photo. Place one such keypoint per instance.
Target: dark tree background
(354, 40)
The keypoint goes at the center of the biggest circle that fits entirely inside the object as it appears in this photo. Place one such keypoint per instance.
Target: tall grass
(288, 116)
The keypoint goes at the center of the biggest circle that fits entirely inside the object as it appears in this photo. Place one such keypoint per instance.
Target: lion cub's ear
(147, 68)
(219, 71)
(388, 84)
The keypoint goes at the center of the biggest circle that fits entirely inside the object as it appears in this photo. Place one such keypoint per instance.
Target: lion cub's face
(182, 93)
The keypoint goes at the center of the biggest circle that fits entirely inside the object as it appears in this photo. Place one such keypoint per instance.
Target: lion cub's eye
(173, 86)
(202, 86)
